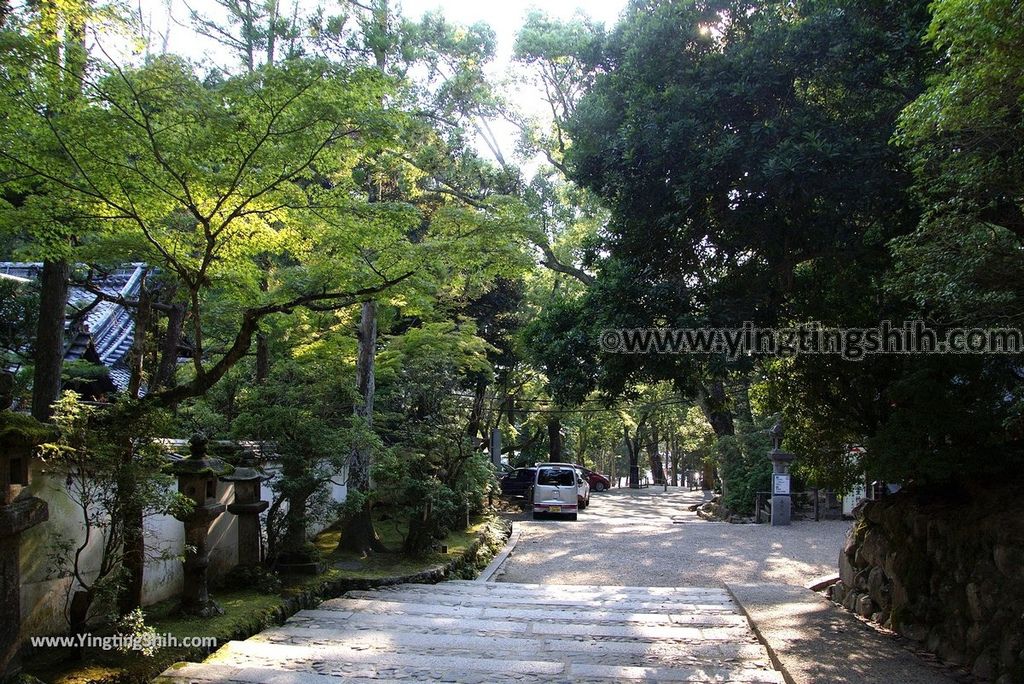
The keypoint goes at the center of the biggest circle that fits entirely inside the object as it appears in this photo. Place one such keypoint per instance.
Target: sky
(504, 16)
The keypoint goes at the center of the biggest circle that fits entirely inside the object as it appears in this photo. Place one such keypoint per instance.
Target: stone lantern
(19, 511)
(197, 479)
(781, 501)
(247, 505)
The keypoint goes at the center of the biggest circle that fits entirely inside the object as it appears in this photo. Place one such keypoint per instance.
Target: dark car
(517, 482)
(598, 482)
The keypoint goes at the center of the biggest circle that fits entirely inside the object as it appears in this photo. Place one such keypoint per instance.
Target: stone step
(703, 604)
(339, 661)
(662, 653)
(474, 632)
(573, 613)
(202, 673)
(353, 620)
(492, 588)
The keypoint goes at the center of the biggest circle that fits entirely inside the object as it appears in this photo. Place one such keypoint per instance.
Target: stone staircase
(465, 631)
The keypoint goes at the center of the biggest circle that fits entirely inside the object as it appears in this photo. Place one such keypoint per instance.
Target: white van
(556, 490)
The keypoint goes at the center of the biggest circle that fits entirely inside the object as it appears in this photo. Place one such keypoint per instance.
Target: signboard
(780, 484)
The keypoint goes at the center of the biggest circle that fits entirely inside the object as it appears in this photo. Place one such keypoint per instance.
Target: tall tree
(46, 41)
(725, 190)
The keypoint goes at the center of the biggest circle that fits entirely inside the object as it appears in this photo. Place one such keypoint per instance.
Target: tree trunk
(714, 404)
(676, 456)
(127, 489)
(632, 448)
(169, 348)
(293, 548)
(708, 476)
(262, 339)
(143, 316)
(657, 468)
(262, 357)
(49, 353)
(476, 412)
(78, 617)
(555, 440)
(358, 534)
(134, 548)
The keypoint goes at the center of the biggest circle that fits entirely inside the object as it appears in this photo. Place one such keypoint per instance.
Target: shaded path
(649, 538)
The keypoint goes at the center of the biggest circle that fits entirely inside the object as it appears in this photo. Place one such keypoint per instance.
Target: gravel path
(649, 538)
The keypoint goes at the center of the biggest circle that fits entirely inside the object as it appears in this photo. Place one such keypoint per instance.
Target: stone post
(247, 505)
(495, 447)
(781, 500)
(197, 479)
(19, 511)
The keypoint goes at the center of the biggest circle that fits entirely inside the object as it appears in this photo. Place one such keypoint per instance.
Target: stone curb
(821, 583)
(488, 573)
(772, 655)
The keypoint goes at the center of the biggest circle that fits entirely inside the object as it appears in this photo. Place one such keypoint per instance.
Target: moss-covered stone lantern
(19, 510)
(247, 505)
(197, 479)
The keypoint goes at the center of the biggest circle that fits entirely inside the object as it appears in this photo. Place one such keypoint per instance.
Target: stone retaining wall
(948, 574)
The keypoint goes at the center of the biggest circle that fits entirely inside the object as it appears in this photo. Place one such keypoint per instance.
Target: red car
(598, 482)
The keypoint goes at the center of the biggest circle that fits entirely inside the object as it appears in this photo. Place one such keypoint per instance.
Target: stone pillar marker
(495, 447)
(781, 502)
(197, 479)
(19, 511)
(247, 505)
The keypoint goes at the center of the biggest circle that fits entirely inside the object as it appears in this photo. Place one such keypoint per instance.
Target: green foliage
(136, 634)
(83, 370)
(431, 475)
(301, 411)
(964, 136)
(744, 465)
(19, 306)
(410, 490)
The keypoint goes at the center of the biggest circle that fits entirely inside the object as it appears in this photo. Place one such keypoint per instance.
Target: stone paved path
(500, 632)
(649, 537)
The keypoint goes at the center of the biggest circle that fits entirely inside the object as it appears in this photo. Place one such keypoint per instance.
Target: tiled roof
(108, 326)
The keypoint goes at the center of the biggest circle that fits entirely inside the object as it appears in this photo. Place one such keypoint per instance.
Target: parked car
(518, 482)
(582, 489)
(559, 488)
(598, 482)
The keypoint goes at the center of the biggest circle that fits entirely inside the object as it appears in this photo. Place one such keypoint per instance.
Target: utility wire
(565, 411)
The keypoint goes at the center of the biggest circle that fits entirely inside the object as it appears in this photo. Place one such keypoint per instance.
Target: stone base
(781, 510)
(208, 609)
(301, 568)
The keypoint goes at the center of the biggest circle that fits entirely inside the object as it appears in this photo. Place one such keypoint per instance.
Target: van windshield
(561, 477)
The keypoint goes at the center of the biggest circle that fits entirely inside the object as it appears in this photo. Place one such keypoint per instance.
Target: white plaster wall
(43, 597)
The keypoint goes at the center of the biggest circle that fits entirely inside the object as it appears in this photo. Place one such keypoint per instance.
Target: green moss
(384, 565)
(20, 430)
(209, 467)
(83, 370)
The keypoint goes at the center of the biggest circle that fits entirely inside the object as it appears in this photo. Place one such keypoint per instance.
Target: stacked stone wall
(946, 570)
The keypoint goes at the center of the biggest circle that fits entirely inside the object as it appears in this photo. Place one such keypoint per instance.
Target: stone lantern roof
(198, 463)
